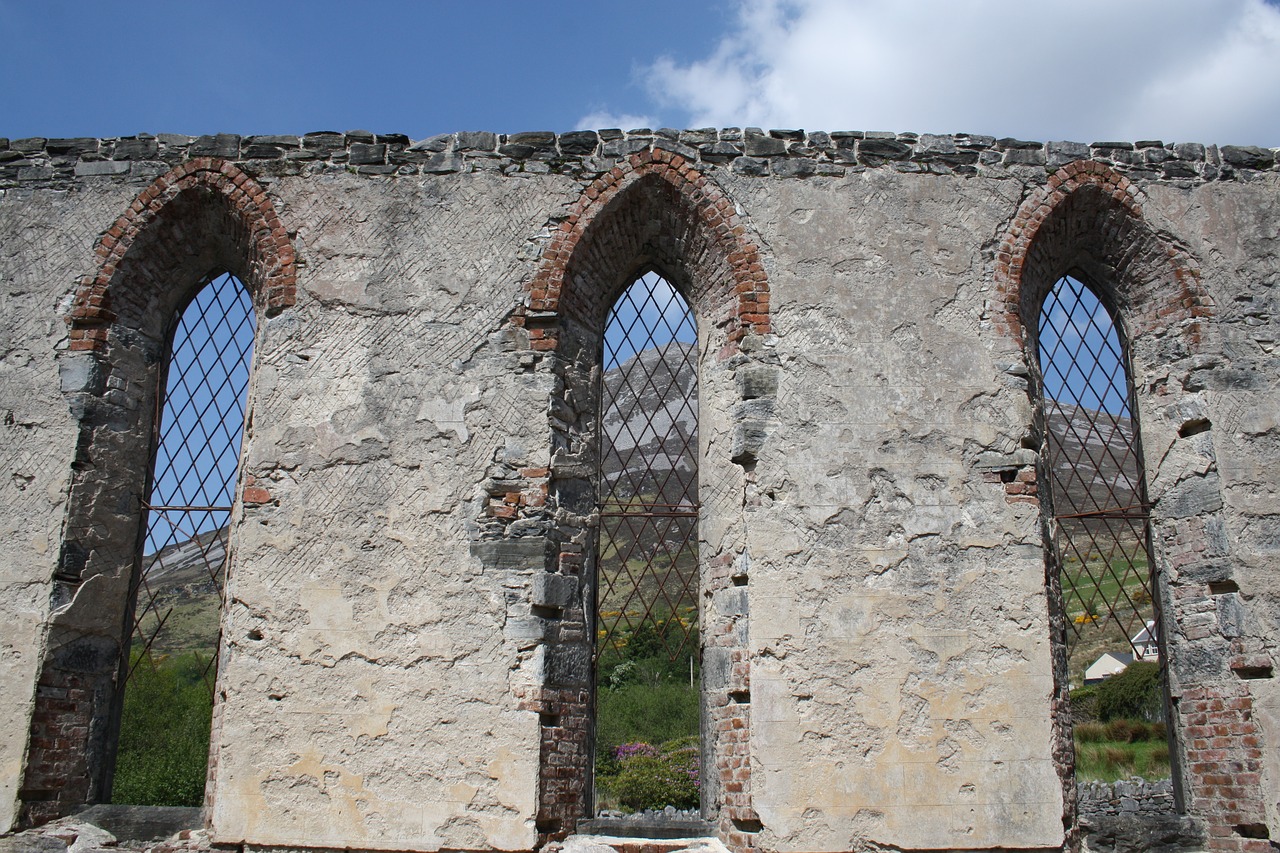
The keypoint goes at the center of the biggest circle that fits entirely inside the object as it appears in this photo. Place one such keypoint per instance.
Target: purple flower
(629, 750)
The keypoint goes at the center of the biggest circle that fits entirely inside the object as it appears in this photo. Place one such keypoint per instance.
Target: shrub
(1084, 704)
(649, 781)
(1133, 694)
(1126, 731)
(164, 735)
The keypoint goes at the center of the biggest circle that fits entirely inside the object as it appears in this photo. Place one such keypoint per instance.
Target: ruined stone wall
(405, 649)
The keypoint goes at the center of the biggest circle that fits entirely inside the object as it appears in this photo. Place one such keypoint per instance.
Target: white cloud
(603, 118)
(1177, 70)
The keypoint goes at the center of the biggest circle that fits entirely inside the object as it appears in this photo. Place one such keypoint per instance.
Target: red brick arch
(1089, 213)
(1088, 222)
(200, 219)
(265, 261)
(653, 211)
(745, 289)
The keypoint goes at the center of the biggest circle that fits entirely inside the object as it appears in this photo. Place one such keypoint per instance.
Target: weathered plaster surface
(403, 337)
(899, 628)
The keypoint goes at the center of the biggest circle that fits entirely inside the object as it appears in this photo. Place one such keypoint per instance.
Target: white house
(1145, 647)
(1111, 663)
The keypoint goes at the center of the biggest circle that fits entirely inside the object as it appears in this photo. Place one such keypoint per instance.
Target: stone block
(88, 169)
(578, 143)
(1248, 156)
(756, 380)
(875, 150)
(513, 555)
(139, 148)
(366, 154)
(324, 141)
(1024, 157)
(477, 141)
(553, 590)
(224, 145)
(72, 147)
(444, 163)
(758, 145)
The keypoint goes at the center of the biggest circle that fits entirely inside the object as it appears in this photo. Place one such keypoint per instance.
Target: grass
(645, 697)
(1110, 761)
(1106, 579)
(190, 624)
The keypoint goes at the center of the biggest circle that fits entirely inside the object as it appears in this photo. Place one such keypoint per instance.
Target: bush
(163, 756)
(1129, 731)
(653, 781)
(1084, 704)
(1133, 694)
(643, 698)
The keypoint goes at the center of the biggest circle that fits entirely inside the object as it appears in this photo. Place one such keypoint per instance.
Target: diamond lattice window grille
(648, 550)
(1097, 484)
(182, 562)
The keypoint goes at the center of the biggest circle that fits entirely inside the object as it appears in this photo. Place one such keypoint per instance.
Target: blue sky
(420, 68)
(1083, 70)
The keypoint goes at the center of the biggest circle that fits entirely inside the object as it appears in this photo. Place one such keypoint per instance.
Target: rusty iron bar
(1120, 512)
(197, 430)
(648, 469)
(1097, 484)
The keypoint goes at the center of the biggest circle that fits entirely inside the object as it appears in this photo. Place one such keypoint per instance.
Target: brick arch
(200, 219)
(653, 211)
(1088, 219)
(1088, 222)
(694, 235)
(159, 247)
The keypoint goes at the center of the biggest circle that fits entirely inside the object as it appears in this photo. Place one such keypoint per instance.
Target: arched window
(168, 688)
(647, 643)
(1101, 515)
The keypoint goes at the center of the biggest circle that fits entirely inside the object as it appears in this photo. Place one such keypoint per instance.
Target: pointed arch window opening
(1097, 481)
(647, 646)
(179, 584)
(648, 548)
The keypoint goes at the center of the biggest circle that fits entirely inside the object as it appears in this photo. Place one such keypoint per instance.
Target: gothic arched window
(179, 582)
(647, 643)
(1102, 531)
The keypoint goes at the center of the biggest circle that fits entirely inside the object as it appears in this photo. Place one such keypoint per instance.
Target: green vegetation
(641, 776)
(1134, 693)
(1106, 752)
(191, 620)
(647, 717)
(1130, 566)
(1122, 735)
(164, 733)
(1092, 631)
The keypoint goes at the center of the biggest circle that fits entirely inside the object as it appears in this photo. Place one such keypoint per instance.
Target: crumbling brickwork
(406, 659)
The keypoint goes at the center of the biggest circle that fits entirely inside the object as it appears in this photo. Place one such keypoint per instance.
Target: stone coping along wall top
(751, 152)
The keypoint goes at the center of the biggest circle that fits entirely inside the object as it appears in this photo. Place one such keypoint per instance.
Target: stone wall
(405, 663)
